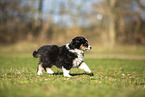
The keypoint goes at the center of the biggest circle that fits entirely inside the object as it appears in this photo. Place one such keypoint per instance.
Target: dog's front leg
(84, 67)
(65, 72)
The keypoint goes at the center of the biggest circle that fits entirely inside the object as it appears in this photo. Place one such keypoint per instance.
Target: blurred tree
(118, 15)
(46, 26)
(113, 20)
(139, 22)
(16, 19)
(107, 21)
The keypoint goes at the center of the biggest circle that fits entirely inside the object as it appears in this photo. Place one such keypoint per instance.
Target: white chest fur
(80, 57)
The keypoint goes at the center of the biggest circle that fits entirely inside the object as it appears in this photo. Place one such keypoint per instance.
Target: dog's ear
(76, 40)
(74, 43)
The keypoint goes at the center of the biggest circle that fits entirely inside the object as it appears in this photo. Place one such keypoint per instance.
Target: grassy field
(112, 78)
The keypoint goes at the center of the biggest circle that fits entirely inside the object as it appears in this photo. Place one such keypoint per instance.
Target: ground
(113, 77)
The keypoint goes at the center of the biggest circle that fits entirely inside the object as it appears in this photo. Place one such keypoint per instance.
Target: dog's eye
(85, 44)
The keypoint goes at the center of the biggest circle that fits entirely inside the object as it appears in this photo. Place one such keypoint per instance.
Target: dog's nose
(90, 48)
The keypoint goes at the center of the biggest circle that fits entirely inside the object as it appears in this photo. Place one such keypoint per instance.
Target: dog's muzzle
(89, 48)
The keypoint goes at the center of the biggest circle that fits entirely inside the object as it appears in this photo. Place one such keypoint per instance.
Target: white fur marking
(39, 72)
(67, 46)
(80, 54)
(79, 59)
(85, 67)
(65, 72)
(49, 71)
(40, 68)
(89, 48)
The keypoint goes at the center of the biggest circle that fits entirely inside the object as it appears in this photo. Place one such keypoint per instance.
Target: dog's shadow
(74, 74)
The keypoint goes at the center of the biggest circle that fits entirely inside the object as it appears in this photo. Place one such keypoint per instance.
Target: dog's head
(80, 43)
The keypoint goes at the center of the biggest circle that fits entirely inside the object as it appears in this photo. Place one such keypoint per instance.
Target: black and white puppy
(65, 57)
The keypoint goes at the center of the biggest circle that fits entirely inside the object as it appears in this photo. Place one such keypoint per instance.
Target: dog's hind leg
(48, 70)
(40, 68)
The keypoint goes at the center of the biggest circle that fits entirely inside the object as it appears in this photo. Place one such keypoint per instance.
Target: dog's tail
(35, 54)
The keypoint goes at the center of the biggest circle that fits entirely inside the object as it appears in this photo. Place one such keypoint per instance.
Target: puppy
(65, 57)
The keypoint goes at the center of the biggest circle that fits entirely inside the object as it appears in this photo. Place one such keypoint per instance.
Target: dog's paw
(91, 74)
(49, 71)
(67, 75)
(39, 73)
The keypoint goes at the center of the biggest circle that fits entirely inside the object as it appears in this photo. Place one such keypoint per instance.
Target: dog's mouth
(85, 48)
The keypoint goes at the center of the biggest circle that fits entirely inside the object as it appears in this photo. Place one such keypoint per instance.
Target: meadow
(113, 77)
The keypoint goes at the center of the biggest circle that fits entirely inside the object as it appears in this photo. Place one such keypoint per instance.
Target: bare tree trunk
(112, 32)
(112, 26)
(40, 9)
(43, 26)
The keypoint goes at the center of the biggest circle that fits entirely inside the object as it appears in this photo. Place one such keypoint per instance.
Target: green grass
(112, 78)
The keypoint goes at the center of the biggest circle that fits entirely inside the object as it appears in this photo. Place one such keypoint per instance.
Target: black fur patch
(53, 55)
